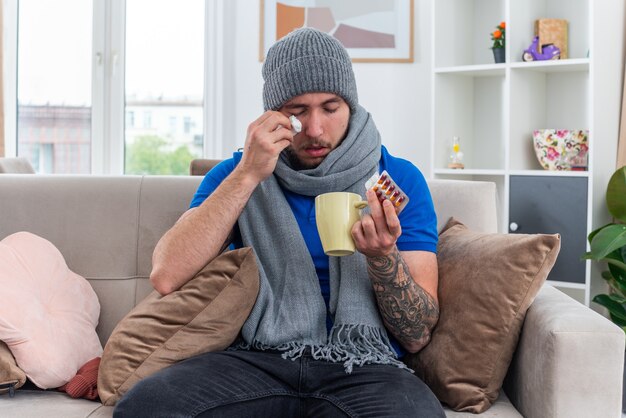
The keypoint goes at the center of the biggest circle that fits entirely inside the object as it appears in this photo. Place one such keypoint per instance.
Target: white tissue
(296, 125)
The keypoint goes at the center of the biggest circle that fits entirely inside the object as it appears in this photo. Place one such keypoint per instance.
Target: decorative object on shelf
(544, 53)
(561, 149)
(456, 158)
(552, 31)
(499, 43)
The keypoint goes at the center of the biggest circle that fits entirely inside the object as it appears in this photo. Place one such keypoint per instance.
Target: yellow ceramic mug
(335, 213)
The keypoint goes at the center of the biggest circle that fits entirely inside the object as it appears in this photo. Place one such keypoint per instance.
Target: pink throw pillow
(48, 314)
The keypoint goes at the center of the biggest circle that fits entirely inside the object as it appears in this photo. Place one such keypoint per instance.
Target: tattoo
(408, 310)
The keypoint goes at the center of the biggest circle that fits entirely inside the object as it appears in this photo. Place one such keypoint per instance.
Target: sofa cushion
(206, 314)
(486, 284)
(48, 314)
(10, 373)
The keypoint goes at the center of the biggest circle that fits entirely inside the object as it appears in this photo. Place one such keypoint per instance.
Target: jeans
(262, 384)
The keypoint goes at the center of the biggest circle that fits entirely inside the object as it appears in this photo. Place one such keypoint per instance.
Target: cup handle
(360, 205)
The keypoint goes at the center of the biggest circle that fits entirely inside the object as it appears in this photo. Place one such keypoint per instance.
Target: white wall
(397, 95)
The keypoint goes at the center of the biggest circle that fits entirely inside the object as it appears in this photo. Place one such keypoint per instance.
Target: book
(552, 31)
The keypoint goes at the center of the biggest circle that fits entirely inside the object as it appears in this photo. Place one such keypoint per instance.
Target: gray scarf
(290, 313)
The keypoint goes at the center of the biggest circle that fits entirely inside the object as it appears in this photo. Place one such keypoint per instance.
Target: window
(188, 124)
(173, 121)
(147, 119)
(108, 86)
(130, 119)
(54, 84)
(164, 79)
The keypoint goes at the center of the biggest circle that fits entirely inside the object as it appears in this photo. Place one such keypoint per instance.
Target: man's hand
(406, 290)
(266, 138)
(199, 235)
(375, 235)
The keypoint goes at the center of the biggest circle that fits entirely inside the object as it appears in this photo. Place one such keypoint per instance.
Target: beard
(296, 162)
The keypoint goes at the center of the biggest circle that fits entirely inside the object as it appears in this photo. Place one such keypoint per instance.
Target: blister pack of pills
(387, 189)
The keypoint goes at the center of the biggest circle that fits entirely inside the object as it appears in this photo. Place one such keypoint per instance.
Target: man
(324, 336)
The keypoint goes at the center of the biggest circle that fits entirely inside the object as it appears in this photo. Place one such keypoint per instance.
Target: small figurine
(548, 52)
(456, 158)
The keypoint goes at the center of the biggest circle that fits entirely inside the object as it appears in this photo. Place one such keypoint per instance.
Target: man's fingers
(357, 234)
(377, 212)
(368, 226)
(393, 222)
(281, 144)
(276, 121)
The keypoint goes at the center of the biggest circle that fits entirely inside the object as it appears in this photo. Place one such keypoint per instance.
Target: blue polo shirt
(418, 219)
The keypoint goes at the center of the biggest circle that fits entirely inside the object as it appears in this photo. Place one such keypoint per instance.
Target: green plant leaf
(617, 273)
(617, 321)
(616, 194)
(615, 262)
(615, 309)
(617, 283)
(617, 287)
(595, 232)
(607, 240)
(618, 298)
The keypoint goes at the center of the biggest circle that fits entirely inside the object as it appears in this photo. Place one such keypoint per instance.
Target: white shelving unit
(494, 108)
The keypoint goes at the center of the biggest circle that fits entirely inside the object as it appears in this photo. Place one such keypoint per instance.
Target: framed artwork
(371, 30)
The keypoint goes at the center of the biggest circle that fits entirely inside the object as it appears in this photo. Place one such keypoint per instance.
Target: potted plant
(499, 42)
(608, 243)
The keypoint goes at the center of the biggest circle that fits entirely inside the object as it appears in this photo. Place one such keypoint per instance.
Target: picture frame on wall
(371, 30)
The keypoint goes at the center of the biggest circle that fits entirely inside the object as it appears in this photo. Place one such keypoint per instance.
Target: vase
(498, 54)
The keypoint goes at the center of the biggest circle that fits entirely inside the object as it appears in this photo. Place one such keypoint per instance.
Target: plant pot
(498, 54)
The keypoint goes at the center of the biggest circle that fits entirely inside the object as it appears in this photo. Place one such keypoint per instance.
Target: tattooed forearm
(408, 310)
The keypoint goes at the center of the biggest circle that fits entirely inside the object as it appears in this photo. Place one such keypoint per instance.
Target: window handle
(114, 63)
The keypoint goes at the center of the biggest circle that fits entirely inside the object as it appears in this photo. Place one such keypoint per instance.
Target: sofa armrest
(569, 361)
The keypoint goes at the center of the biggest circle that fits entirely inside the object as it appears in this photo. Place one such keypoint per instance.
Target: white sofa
(568, 363)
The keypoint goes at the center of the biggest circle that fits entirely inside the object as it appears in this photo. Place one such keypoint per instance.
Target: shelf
(474, 70)
(485, 70)
(494, 109)
(468, 172)
(471, 108)
(487, 172)
(544, 99)
(557, 66)
(549, 173)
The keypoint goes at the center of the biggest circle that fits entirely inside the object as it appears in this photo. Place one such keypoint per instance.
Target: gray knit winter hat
(306, 61)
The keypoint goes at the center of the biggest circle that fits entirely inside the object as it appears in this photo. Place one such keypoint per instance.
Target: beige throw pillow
(206, 314)
(486, 284)
(10, 373)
